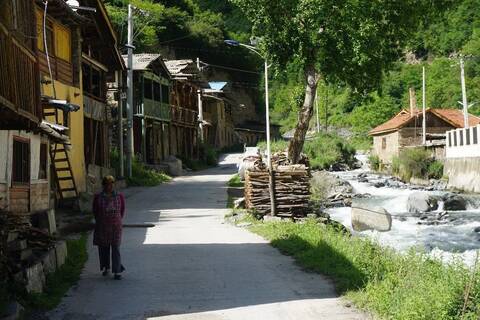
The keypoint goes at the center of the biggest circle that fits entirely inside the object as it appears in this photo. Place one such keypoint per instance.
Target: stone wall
(386, 146)
(463, 173)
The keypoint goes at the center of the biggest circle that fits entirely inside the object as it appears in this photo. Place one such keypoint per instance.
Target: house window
(21, 161)
(384, 143)
(165, 94)
(461, 137)
(467, 132)
(475, 135)
(455, 138)
(449, 139)
(43, 168)
(93, 81)
(156, 91)
(147, 88)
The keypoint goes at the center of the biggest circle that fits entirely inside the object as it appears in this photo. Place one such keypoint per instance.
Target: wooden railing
(184, 116)
(156, 110)
(19, 78)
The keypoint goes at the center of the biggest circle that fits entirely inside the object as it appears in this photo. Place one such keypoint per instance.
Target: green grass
(235, 182)
(63, 279)
(388, 284)
(143, 176)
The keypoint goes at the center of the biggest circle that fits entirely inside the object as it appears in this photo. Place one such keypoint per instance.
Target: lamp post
(267, 120)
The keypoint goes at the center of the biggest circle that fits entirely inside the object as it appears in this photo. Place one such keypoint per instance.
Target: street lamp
(267, 119)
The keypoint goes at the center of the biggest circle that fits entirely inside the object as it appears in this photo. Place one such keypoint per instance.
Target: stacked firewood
(21, 241)
(291, 187)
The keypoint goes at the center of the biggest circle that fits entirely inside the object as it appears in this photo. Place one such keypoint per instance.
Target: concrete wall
(463, 173)
(463, 143)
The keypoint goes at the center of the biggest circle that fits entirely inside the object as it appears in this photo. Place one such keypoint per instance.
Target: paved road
(193, 266)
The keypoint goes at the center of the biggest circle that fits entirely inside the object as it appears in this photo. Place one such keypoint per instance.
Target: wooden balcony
(156, 110)
(184, 116)
(19, 83)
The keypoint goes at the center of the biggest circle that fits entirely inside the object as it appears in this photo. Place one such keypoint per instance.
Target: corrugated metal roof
(142, 61)
(452, 116)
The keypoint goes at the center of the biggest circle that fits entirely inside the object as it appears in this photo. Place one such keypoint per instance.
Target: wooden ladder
(63, 173)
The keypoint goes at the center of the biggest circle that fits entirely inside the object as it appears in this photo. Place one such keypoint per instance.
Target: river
(455, 237)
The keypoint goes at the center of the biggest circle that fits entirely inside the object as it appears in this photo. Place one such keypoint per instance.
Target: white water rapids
(455, 239)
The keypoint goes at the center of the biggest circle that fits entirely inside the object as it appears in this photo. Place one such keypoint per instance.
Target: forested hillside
(187, 29)
(437, 48)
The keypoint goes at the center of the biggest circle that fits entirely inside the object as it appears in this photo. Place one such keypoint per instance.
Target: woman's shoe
(105, 272)
(117, 277)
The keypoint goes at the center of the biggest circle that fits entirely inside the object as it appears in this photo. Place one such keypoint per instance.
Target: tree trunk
(304, 116)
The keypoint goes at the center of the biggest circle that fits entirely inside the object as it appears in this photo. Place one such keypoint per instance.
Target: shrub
(208, 155)
(396, 165)
(326, 150)
(435, 170)
(235, 181)
(413, 163)
(374, 162)
(143, 176)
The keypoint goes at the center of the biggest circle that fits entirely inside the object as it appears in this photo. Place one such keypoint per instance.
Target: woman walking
(109, 210)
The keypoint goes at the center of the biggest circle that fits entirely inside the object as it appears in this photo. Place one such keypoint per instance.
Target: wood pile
(291, 185)
(21, 242)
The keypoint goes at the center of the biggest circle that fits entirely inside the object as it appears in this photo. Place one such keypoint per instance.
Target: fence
(463, 143)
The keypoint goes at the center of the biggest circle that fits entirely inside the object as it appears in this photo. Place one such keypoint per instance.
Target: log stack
(291, 186)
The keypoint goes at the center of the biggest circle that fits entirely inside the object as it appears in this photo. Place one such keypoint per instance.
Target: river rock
(325, 185)
(364, 218)
(454, 202)
(419, 202)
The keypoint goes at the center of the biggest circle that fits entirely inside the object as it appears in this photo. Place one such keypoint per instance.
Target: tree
(347, 41)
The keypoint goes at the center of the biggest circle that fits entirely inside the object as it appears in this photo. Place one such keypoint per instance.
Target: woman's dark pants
(104, 254)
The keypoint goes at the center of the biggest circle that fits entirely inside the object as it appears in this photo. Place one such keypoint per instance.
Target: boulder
(174, 165)
(454, 202)
(325, 185)
(364, 218)
(419, 202)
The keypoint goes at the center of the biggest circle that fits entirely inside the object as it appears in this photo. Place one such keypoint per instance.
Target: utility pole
(130, 47)
(200, 114)
(424, 108)
(464, 92)
(271, 174)
(121, 99)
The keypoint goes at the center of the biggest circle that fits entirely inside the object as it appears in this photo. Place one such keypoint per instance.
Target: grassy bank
(62, 280)
(386, 283)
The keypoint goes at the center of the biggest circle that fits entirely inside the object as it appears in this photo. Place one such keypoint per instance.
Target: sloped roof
(142, 61)
(452, 116)
(182, 68)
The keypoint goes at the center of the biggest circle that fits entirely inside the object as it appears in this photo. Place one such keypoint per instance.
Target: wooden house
(219, 131)
(152, 110)
(184, 98)
(25, 137)
(58, 49)
(405, 130)
(101, 63)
